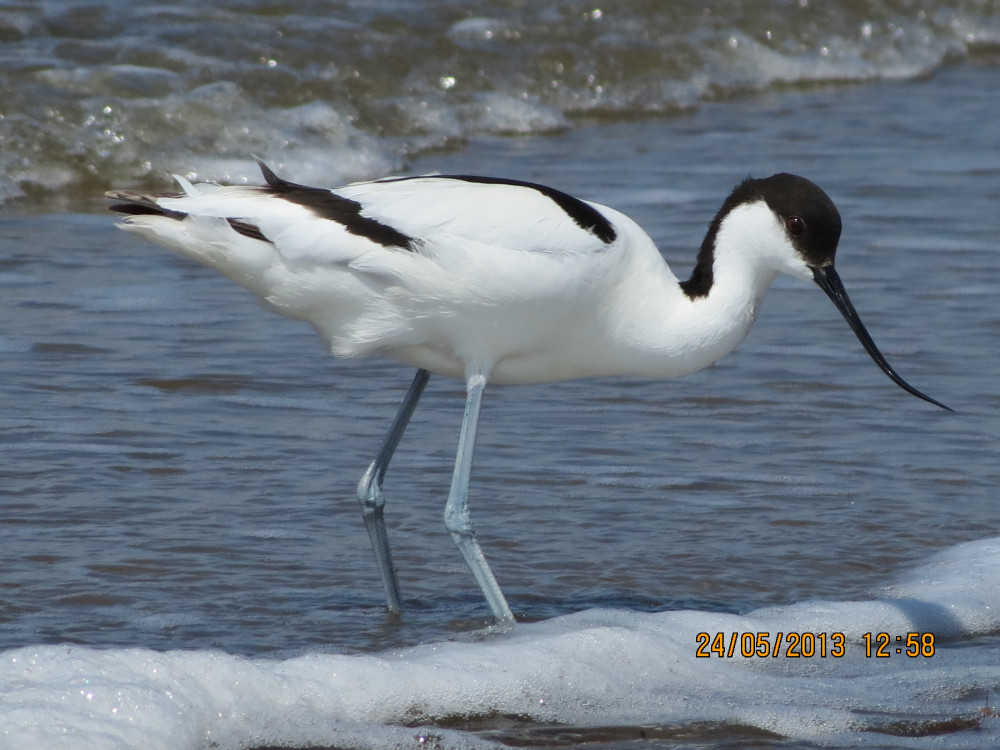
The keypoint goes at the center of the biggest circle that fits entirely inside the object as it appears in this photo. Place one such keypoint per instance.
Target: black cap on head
(807, 213)
(811, 219)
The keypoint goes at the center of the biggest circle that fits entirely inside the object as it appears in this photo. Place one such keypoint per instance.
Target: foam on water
(599, 668)
(96, 92)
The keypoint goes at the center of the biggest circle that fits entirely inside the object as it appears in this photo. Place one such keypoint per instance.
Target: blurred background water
(95, 92)
(177, 467)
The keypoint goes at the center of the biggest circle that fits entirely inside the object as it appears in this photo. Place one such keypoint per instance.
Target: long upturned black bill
(829, 281)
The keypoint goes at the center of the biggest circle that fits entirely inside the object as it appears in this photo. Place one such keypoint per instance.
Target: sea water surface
(182, 559)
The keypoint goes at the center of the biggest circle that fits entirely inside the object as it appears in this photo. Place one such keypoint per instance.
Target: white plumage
(499, 281)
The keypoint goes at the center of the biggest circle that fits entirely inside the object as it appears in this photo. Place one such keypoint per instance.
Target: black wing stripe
(328, 205)
(136, 204)
(141, 204)
(247, 229)
(583, 214)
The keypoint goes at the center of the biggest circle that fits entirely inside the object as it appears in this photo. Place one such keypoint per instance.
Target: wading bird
(496, 281)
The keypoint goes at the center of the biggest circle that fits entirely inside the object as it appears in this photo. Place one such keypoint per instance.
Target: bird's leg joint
(370, 492)
(458, 521)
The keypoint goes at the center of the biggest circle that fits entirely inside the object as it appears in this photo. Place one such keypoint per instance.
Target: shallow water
(95, 91)
(177, 483)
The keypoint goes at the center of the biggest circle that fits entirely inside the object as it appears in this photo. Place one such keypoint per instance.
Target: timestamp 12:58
(884, 645)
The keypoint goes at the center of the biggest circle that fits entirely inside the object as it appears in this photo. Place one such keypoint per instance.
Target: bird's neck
(701, 319)
(703, 273)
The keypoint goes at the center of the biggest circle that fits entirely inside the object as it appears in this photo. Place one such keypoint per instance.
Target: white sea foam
(594, 668)
(339, 96)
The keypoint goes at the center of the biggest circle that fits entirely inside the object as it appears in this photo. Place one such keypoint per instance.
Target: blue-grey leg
(370, 491)
(456, 512)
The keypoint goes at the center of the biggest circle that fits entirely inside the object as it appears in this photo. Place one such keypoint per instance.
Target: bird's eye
(795, 226)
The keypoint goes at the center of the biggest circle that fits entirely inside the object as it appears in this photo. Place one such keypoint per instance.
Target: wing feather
(428, 215)
(512, 215)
